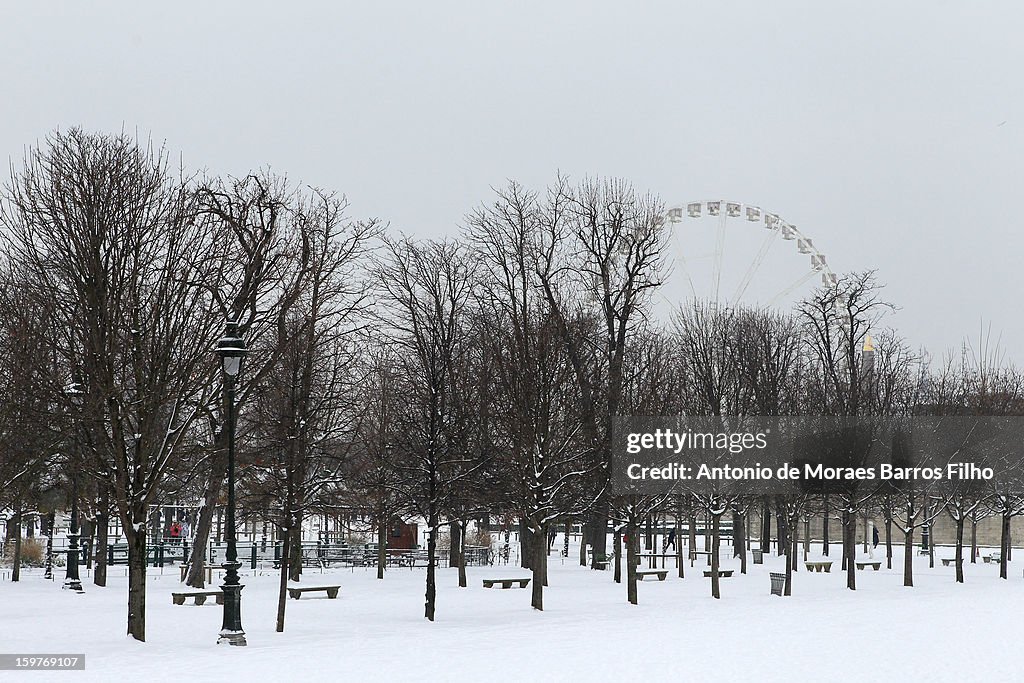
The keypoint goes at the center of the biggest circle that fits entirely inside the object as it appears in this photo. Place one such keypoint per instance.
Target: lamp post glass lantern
(76, 396)
(231, 349)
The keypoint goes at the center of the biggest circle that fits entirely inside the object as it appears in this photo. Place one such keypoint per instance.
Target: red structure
(402, 536)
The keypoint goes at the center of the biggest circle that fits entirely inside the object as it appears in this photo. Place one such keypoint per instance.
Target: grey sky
(891, 133)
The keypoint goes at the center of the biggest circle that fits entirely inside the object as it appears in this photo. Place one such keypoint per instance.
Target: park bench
(307, 562)
(200, 596)
(873, 565)
(819, 567)
(724, 573)
(296, 592)
(946, 561)
(506, 583)
(660, 573)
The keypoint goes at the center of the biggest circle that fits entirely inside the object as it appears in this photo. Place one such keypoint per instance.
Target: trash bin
(758, 557)
(778, 583)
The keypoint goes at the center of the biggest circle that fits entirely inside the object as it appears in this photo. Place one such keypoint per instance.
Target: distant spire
(869, 343)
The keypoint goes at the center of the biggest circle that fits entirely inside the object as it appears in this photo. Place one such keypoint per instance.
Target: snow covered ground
(937, 631)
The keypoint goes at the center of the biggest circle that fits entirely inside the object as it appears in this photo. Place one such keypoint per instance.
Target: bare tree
(255, 267)
(425, 292)
(110, 234)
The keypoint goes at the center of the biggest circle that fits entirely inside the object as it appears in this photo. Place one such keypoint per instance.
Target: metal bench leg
(200, 599)
(332, 593)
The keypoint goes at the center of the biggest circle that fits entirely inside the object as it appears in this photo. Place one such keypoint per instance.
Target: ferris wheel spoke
(681, 257)
(766, 245)
(792, 287)
(719, 248)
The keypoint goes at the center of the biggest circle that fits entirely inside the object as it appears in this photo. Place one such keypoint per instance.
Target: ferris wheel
(729, 253)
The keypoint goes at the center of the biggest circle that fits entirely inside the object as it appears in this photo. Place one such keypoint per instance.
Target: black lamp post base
(231, 631)
(231, 638)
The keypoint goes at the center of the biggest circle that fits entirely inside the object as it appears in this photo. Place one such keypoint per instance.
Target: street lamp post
(71, 578)
(231, 349)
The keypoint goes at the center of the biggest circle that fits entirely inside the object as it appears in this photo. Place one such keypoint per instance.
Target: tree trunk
(196, 575)
(850, 543)
(136, 581)
(282, 590)
(888, 542)
(931, 544)
(738, 519)
(824, 528)
(540, 558)
(453, 542)
(382, 543)
(692, 533)
(631, 542)
(295, 554)
(649, 539)
(782, 531)
(908, 556)
(584, 535)
(959, 549)
(766, 525)
(99, 573)
(679, 544)
(1004, 544)
(794, 554)
(974, 538)
(16, 570)
(431, 596)
(715, 539)
(790, 567)
(565, 541)
(599, 543)
(462, 555)
(526, 541)
(617, 540)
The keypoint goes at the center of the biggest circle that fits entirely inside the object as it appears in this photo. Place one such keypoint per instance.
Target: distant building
(402, 535)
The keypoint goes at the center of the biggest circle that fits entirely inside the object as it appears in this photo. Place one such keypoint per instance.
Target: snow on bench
(506, 583)
(200, 596)
(873, 565)
(660, 573)
(821, 566)
(296, 592)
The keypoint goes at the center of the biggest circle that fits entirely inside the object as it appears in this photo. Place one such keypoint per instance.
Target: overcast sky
(891, 133)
